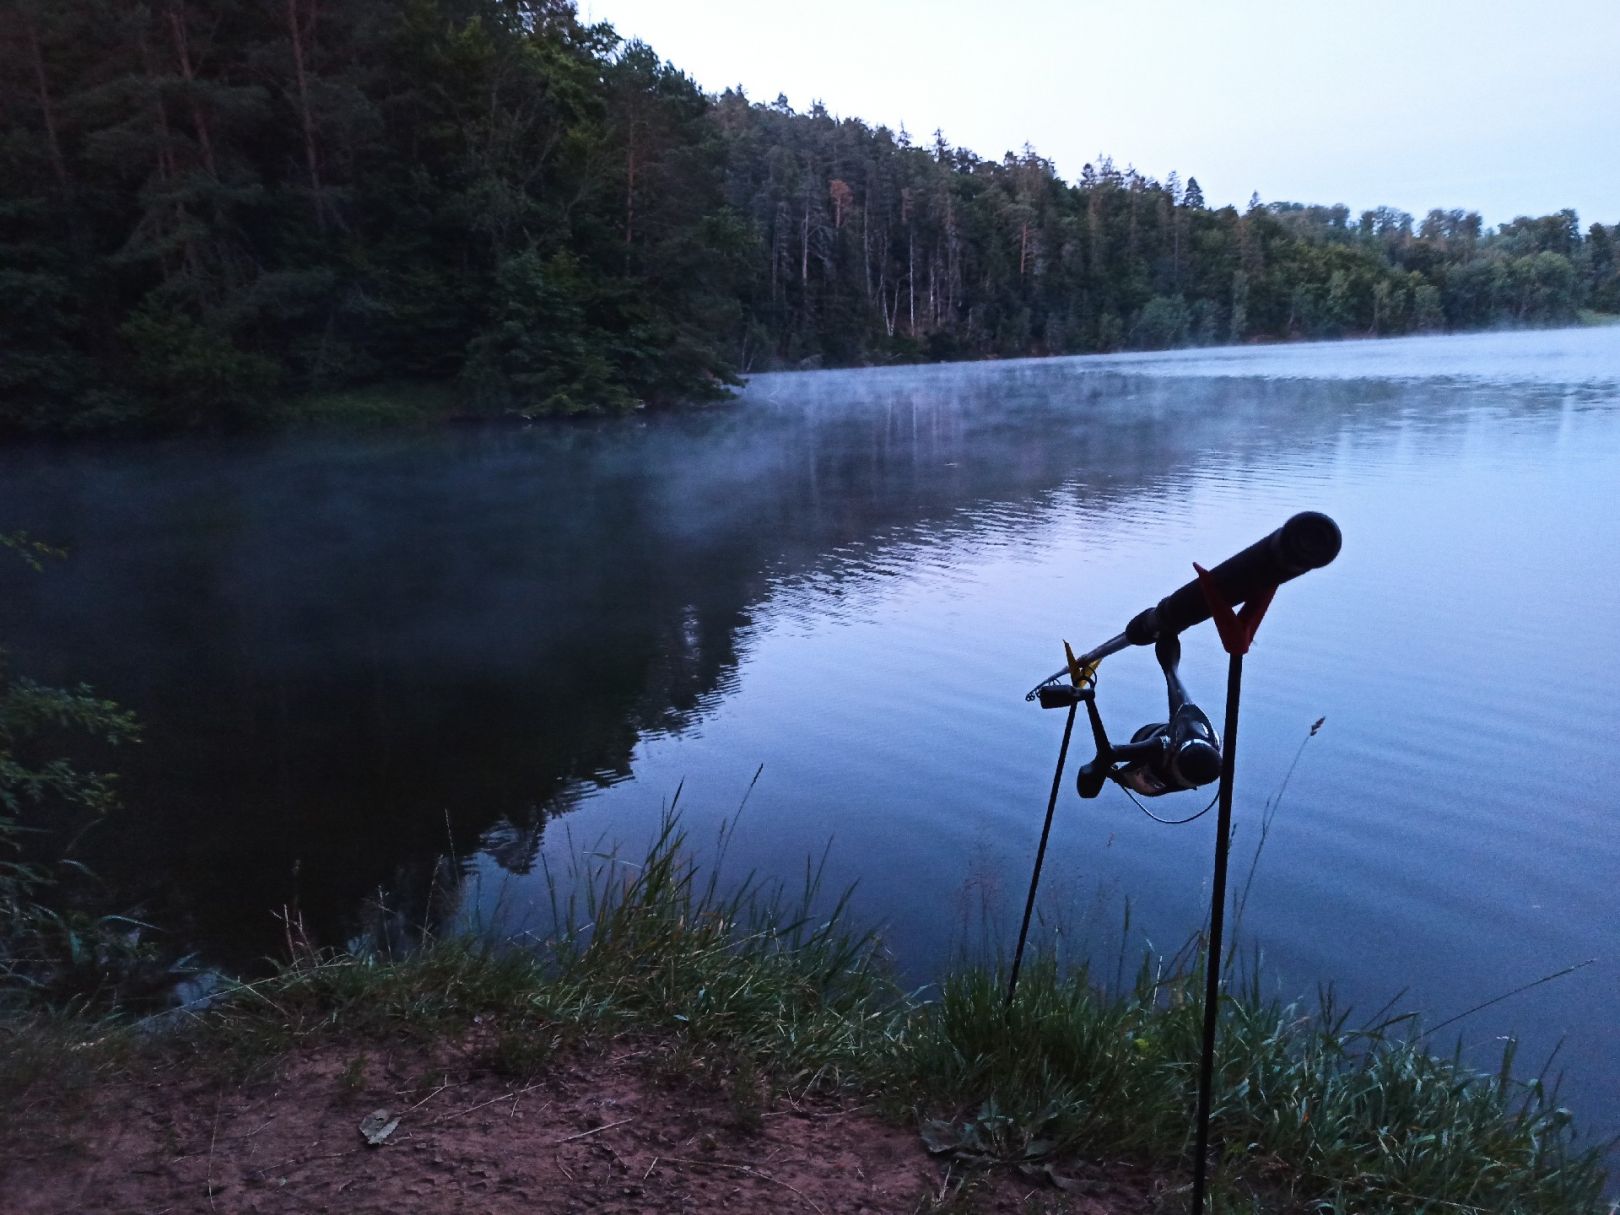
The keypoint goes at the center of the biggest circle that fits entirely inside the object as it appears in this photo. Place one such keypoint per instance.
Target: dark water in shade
(356, 656)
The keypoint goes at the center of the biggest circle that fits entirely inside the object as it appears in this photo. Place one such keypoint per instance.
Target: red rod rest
(1238, 628)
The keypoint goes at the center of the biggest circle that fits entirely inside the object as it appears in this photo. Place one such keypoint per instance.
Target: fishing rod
(1306, 542)
(1183, 752)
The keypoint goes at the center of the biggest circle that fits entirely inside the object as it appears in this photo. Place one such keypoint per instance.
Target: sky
(1505, 107)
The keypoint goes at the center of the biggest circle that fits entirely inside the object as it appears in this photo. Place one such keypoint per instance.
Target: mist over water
(356, 657)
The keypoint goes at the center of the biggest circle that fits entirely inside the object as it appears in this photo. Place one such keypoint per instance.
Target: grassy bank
(1589, 317)
(1311, 1113)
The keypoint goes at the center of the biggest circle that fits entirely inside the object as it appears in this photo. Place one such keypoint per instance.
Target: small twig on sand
(503, 1097)
(428, 1098)
(515, 1097)
(595, 1130)
(298, 1162)
(650, 1168)
(752, 1172)
(213, 1138)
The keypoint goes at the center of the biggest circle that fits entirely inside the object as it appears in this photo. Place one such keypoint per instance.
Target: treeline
(878, 247)
(207, 205)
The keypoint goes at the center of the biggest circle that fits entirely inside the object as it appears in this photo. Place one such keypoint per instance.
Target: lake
(393, 680)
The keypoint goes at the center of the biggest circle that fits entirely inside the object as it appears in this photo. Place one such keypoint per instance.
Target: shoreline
(400, 405)
(699, 1017)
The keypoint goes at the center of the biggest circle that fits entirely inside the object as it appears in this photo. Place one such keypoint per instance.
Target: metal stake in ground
(1040, 854)
(1217, 914)
(1237, 630)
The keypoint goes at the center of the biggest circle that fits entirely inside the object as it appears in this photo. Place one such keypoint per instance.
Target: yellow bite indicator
(1079, 675)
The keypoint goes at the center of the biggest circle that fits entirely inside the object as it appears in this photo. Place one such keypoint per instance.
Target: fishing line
(1172, 822)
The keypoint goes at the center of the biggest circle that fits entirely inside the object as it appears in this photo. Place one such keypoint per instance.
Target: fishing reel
(1162, 757)
(1185, 752)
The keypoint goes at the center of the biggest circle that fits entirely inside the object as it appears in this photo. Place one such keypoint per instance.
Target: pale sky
(1506, 107)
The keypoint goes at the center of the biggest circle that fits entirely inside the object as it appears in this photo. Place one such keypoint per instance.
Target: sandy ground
(627, 1130)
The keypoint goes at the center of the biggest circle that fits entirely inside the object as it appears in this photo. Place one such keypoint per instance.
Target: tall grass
(663, 943)
(656, 944)
(1308, 1109)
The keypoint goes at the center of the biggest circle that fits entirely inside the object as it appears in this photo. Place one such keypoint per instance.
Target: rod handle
(1306, 542)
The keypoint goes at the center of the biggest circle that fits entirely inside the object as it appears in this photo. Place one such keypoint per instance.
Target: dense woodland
(207, 206)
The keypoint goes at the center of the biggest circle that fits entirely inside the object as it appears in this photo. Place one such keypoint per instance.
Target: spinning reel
(1162, 757)
(1184, 752)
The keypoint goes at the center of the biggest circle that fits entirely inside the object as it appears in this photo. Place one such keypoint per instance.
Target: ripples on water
(356, 656)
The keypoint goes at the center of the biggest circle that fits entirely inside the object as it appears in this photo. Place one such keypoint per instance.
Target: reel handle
(1306, 542)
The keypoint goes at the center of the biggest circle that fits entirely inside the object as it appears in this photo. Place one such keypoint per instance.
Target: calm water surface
(358, 657)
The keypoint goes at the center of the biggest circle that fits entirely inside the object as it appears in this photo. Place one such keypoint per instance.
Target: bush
(193, 374)
(44, 793)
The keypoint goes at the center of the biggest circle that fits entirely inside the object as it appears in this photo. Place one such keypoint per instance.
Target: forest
(208, 207)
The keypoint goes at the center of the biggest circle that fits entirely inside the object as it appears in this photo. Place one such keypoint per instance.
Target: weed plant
(51, 951)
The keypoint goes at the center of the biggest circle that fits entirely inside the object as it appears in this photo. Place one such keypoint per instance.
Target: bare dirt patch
(627, 1129)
